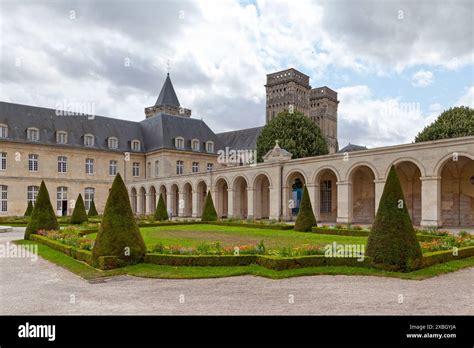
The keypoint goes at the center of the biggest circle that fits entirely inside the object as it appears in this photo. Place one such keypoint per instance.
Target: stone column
(250, 202)
(274, 199)
(285, 211)
(344, 202)
(169, 201)
(194, 209)
(230, 202)
(431, 201)
(312, 197)
(147, 203)
(379, 186)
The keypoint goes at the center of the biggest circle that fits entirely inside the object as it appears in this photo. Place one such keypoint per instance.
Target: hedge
(341, 231)
(433, 258)
(277, 263)
(252, 225)
(155, 224)
(200, 260)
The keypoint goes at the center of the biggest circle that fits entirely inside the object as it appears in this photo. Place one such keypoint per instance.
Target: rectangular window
(136, 169)
(3, 131)
(61, 195)
(89, 193)
(179, 167)
(33, 163)
(3, 161)
(210, 146)
(195, 167)
(326, 196)
(113, 168)
(195, 145)
(32, 193)
(210, 167)
(157, 168)
(61, 137)
(89, 166)
(3, 198)
(32, 134)
(88, 140)
(62, 164)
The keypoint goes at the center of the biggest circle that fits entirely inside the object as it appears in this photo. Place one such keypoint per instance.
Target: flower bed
(341, 231)
(270, 226)
(70, 237)
(447, 243)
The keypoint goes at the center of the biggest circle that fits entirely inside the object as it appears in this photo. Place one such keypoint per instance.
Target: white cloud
(422, 78)
(467, 99)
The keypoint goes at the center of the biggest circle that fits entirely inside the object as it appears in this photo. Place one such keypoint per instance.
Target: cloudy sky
(395, 64)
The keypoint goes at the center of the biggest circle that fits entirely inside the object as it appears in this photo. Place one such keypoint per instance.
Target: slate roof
(352, 147)
(167, 95)
(242, 139)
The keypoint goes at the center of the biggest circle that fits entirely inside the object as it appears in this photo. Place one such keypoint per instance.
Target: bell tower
(167, 102)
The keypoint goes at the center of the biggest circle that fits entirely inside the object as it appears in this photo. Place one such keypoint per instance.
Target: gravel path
(43, 288)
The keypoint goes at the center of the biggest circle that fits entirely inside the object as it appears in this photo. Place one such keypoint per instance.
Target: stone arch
(187, 199)
(359, 164)
(261, 206)
(325, 199)
(457, 191)
(133, 200)
(164, 193)
(412, 160)
(174, 192)
(201, 192)
(240, 204)
(445, 159)
(153, 201)
(324, 168)
(294, 183)
(222, 203)
(142, 201)
(261, 172)
(363, 193)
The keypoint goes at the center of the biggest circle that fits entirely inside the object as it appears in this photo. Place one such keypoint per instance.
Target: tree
(295, 133)
(42, 217)
(79, 214)
(92, 210)
(392, 241)
(305, 219)
(119, 234)
(29, 209)
(160, 213)
(453, 123)
(209, 212)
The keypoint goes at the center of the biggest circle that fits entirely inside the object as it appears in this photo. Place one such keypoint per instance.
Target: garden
(119, 242)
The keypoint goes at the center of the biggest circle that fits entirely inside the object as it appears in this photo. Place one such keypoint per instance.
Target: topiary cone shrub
(42, 217)
(209, 213)
(119, 234)
(305, 219)
(392, 242)
(79, 214)
(160, 213)
(92, 210)
(29, 209)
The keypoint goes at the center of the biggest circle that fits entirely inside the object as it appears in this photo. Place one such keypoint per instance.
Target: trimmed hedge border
(78, 254)
(156, 224)
(200, 260)
(341, 231)
(430, 259)
(279, 264)
(251, 225)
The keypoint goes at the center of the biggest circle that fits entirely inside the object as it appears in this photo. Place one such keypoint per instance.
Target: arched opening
(457, 192)
(152, 206)
(363, 195)
(294, 188)
(262, 197)
(188, 200)
(201, 197)
(163, 193)
(142, 201)
(133, 199)
(409, 175)
(240, 198)
(327, 195)
(174, 200)
(222, 198)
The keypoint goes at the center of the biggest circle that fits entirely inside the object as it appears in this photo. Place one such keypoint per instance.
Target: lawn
(194, 235)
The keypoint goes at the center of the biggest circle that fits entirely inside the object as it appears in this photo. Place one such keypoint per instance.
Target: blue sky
(395, 64)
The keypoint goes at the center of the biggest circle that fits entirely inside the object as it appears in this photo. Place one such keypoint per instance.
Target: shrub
(160, 213)
(92, 210)
(209, 213)
(29, 209)
(42, 217)
(392, 241)
(305, 219)
(79, 214)
(118, 233)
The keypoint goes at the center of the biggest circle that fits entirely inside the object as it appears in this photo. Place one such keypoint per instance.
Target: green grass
(193, 235)
(171, 272)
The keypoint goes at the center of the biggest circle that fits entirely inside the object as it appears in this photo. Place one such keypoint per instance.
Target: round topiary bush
(79, 214)
(209, 213)
(305, 219)
(42, 217)
(392, 241)
(160, 213)
(119, 234)
(92, 210)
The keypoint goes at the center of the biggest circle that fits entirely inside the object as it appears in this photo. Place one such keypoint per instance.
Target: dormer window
(61, 137)
(112, 143)
(195, 145)
(136, 145)
(209, 146)
(3, 131)
(89, 140)
(179, 143)
(32, 134)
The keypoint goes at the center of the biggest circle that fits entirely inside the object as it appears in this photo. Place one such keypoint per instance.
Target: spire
(167, 95)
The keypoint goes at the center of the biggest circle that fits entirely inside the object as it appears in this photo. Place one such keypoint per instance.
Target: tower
(291, 87)
(167, 102)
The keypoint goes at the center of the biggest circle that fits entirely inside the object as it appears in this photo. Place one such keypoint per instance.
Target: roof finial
(276, 144)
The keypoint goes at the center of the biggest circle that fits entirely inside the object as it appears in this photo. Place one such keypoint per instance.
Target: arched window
(136, 145)
(61, 137)
(32, 134)
(3, 131)
(89, 140)
(112, 143)
(179, 143)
